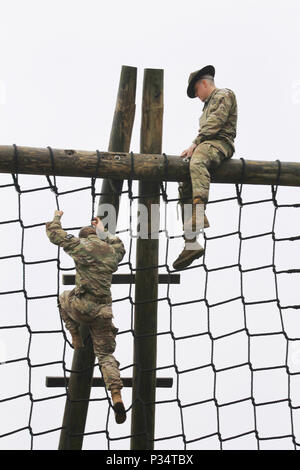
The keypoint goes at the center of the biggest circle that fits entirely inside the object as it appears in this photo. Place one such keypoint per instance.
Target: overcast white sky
(59, 75)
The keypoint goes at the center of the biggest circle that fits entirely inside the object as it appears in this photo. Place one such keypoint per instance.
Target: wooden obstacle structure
(150, 167)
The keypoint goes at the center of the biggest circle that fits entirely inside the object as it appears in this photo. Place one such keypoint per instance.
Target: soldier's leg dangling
(103, 334)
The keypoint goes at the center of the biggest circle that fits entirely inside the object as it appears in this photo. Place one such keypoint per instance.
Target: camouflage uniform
(214, 143)
(90, 301)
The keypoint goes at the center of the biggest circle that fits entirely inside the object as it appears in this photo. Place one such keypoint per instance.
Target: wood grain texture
(146, 278)
(147, 166)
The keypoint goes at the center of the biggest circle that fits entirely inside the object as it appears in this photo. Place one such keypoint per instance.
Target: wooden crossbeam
(51, 382)
(147, 167)
(69, 279)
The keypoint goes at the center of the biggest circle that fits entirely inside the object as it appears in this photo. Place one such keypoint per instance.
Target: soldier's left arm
(114, 241)
(220, 109)
(119, 248)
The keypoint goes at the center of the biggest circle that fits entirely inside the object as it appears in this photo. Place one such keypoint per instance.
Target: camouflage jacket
(95, 259)
(218, 120)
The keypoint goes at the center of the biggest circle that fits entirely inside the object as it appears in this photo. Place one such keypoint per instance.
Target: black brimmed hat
(207, 70)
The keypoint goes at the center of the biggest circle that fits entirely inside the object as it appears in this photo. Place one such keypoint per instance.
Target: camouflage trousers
(76, 310)
(206, 157)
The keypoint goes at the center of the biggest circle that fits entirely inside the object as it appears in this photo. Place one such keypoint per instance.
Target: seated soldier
(96, 254)
(213, 145)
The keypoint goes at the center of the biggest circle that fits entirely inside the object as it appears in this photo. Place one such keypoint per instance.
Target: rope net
(228, 335)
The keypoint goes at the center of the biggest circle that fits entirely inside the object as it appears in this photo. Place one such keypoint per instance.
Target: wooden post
(80, 381)
(120, 136)
(79, 387)
(146, 279)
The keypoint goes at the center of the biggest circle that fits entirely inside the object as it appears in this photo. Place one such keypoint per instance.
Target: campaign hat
(194, 76)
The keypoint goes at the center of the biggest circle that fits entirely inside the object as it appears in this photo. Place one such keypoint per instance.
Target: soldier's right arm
(59, 237)
(81, 250)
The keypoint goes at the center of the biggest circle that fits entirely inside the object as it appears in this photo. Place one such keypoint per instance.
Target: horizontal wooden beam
(161, 382)
(118, 165)
(69, 279)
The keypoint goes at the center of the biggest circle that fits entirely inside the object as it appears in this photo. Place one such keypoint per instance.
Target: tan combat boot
(119, 409)
(192, 250)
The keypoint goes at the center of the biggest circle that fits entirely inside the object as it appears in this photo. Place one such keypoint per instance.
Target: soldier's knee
(201, 148)
(198, 164)
(104, 347)
(106, 360)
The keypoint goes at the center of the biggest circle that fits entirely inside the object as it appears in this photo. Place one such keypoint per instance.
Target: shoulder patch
(69, 236)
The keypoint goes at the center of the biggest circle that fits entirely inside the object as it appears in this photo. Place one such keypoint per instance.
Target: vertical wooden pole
(146, 281)
(120, 136)
(80, 381)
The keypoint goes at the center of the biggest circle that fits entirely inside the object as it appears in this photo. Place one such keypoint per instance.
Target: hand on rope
(97, 223)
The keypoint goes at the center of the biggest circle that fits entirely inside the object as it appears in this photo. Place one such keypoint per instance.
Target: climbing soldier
(213, 145)
(96, 254)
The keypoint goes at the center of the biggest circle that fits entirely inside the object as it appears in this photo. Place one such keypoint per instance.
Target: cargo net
(228, 335)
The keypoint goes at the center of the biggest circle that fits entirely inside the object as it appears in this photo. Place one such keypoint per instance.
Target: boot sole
(188, 261)
(120, 413)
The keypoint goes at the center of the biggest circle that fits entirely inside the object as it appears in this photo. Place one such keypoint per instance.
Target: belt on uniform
(101, 299)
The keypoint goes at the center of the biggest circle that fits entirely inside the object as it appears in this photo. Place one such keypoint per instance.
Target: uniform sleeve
(119, 248)
(219, 111)
(114, 241)
(59, 237)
